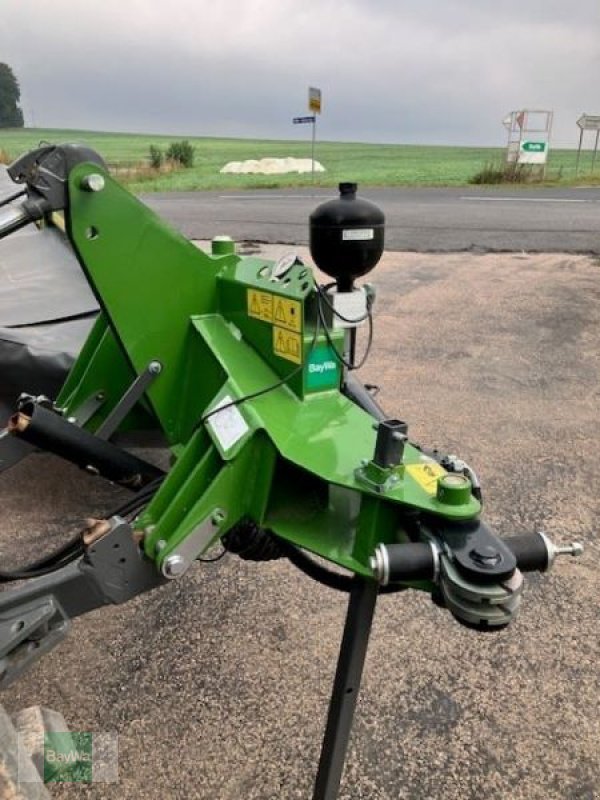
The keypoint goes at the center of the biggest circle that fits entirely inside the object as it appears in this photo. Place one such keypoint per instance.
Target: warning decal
(287, 344)
(287, 313)
(426, 475)
(277, 310)
(260, 305)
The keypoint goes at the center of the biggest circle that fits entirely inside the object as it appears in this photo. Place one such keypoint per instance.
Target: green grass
(367, 164)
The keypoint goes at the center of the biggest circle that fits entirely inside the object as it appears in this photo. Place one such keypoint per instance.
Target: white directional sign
(589, 122)
(531, 152)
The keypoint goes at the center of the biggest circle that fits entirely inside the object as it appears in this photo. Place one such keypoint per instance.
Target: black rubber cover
(51, 432)
(412, 561)
(530, 551)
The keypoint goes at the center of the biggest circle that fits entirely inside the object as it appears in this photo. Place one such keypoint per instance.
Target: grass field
(368, 164)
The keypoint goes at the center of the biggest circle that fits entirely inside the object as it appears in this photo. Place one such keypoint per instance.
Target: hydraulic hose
(50, 431)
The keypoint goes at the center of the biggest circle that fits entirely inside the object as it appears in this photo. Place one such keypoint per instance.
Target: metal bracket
(378, 479)
(129, 399)
(118, 565)
(27, 633)
(184, 555)
(87, 409)
(35, 617)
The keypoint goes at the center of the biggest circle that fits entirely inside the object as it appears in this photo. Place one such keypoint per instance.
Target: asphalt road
(217, 684)
(478, 219)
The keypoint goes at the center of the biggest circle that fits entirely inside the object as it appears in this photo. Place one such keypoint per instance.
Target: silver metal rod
(579, 152)
(314, 135)
(11, 219)
(12, 197)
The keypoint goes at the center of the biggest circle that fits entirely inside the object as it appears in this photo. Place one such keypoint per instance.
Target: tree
(11, 115)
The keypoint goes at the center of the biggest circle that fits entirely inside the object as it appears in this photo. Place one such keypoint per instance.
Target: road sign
(302, 120)
(534, 147)
(314, 99)
(533, 152)
(529, 133)
(589, 122)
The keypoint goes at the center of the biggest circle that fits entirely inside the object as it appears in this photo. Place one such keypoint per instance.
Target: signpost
(588, 122)
(314, 99)
(314, 105)
(529, 133)
(533, 152)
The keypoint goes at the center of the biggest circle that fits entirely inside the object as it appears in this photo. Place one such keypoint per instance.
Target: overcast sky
(406, 71)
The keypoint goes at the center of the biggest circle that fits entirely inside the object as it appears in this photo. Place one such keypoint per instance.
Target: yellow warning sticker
(426, 475)
(287, 344)
(260, 305)
(287, 313)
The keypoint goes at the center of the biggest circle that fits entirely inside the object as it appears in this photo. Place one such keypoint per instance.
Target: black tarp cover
(46, 310)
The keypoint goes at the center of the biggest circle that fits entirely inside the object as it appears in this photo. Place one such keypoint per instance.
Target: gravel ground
(218, 684)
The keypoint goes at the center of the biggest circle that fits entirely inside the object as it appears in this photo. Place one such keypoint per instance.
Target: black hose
(49, 431)
(74, 548)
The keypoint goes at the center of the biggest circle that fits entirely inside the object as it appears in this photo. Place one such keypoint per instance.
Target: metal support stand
(312, 149)
(353, 651)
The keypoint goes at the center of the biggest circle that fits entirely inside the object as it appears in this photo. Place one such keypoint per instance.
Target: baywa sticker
(322, 369)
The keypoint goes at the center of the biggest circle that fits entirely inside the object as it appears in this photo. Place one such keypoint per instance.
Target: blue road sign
(302, 120)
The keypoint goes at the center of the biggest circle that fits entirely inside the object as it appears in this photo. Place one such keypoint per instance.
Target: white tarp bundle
(271, 166)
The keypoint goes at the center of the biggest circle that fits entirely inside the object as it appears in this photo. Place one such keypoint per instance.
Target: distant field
(368, 164)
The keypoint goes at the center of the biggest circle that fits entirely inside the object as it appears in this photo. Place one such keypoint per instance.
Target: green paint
(296, 470)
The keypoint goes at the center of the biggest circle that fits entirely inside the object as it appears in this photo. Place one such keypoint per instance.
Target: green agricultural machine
(245, 367)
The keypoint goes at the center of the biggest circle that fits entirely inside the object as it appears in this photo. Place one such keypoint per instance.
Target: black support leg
(346, 686)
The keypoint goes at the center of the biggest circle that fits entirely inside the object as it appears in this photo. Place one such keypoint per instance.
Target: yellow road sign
(314, 99)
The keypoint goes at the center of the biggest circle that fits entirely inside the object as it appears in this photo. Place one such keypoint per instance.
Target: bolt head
(93, 183)
(173, 566)
(485, 556)
(218, 518)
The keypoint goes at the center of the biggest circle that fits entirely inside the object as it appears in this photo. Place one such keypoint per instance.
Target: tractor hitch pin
(574, 549)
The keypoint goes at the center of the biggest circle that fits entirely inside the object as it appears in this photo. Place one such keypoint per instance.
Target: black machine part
(476, 600)
(389, 446)
(480, 556)
(347, 236)
(48, 430)
(45, 173)
(410, 561)
(35, 617)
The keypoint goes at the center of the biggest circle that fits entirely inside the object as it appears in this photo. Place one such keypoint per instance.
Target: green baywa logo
(68, 758)
(325, 366)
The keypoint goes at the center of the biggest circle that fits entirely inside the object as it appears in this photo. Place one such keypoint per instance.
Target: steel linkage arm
(35, 617)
